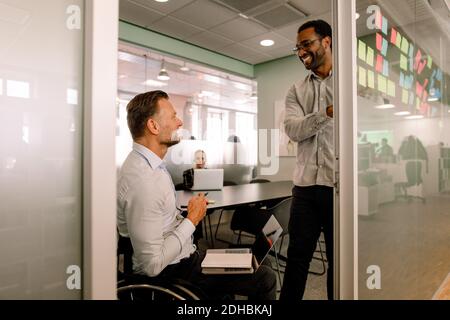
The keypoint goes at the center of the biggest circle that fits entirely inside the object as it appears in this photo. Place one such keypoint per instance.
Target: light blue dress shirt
(147, 213)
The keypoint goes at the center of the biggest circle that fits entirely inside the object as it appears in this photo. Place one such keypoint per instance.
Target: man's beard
(174, 139)
(317, 59)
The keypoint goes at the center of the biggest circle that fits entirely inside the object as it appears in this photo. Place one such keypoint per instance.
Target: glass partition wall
(215, 107)
(403, 149)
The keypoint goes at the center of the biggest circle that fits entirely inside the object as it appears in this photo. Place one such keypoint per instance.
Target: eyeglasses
(305, 45)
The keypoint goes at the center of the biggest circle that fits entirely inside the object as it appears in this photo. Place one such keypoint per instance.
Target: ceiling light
(415, 117)
(357, 16)
(163, 75)
(184, 67)
(154, 83)
(161, 0)
(267, 43)
(385, 106)
(402, 113)
(243, 16)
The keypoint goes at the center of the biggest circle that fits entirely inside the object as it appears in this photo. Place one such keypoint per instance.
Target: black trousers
(261, 285)
(311, 213)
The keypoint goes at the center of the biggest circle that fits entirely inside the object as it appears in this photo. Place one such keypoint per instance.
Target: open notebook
(243, 260)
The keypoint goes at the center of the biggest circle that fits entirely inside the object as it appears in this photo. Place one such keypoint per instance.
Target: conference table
(242, 194)
(231, 196)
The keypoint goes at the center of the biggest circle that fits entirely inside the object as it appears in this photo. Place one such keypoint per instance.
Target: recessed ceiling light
(385, 106)
(161, 0)
(402, 113)
(154, 83)
(267, 43)
(415, 117)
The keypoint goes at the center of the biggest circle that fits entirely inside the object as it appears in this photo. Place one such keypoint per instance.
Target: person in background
(148, 215)
(309, 123)
(385, 153)
(200, 159)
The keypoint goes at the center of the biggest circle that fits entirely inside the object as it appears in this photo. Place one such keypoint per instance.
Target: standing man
(309, 123)
(148, 215)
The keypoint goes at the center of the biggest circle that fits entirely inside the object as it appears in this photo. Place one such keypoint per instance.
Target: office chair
(134, 287)
(413, 169)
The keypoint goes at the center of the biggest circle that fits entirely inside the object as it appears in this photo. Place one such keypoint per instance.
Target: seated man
(147, 212)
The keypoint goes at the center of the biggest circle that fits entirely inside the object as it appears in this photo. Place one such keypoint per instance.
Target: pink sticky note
(417, 59)
(393, 36)
(379, 42)
(379, 65)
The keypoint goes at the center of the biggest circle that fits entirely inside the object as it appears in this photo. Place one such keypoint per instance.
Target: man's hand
(330, 111)
(197, 208)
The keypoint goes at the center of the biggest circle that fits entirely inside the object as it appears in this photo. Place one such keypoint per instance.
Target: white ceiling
(216, 24)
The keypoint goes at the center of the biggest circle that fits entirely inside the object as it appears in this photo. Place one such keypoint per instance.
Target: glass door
(403, 149)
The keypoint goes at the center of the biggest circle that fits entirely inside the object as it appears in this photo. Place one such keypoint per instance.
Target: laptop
(243, 260)
(207, 179)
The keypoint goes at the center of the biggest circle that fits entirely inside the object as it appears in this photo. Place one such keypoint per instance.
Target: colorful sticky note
(409, 81)
(384, 26)
(393, 36)
(417, 59)
(378, 19)
(362, 76)
(370, 79)
(405, 95)
(398, 42)
(430, 62)
(405, 45)
(382, 83)
(401, 82)
(379, 41)
(362, 50)
(385, 68)
(411, 98)
(391, 88)
(384, 47)
(403, 62)
(379, 65)
(369, 57)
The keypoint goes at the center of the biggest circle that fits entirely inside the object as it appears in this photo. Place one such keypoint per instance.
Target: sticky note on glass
(391, 88)
(403, 62)
(369, 57)
(370, 79)
(405, 96)
(402, 80)
(430, 62)
(362, 50)
(385, 68)
(398, 41)
(362, 76)
(379, 65)
(379, 41)
(384, 47)
(393, 36)
(405, 46)
(382, 84)
(384, 26)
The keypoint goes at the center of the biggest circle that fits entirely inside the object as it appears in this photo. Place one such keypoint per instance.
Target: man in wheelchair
(161, 238)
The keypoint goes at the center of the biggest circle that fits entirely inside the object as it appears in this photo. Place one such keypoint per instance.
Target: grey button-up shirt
(307, 123)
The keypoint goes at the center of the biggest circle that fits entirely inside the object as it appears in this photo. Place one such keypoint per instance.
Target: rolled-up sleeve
(299, 126)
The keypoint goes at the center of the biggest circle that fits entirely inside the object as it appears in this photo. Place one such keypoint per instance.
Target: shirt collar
(149, 155)
(313, 74)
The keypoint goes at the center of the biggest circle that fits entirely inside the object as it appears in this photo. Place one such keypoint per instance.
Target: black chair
(413, 170)
(135, 287)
